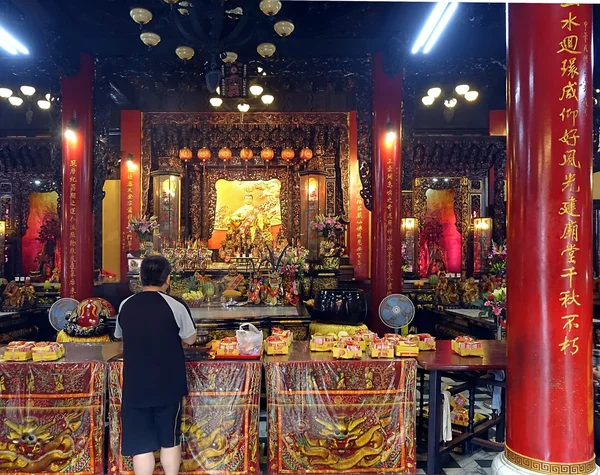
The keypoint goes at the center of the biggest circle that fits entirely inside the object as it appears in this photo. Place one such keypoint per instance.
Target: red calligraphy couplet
(360, 219)
(77, 277)
(549, 413)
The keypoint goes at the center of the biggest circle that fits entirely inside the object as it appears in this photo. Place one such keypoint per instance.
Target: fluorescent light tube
(440, 27)
(430, 24)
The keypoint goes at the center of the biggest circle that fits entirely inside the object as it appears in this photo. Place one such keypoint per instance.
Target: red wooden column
(386, 257)
(131, 146)
(549, 413)
(77, 274)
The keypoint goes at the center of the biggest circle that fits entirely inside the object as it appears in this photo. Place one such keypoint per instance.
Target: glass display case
(167, 205)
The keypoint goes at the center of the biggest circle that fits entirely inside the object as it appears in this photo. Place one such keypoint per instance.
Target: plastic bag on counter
(249, 339)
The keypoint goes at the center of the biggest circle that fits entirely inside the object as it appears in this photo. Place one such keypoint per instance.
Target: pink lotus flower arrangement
(328, 227)
(497, 259)
(293, 262)
(143, 228)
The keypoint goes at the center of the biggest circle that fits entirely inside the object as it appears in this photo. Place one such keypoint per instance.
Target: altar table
(219, 419)
(52, 413)
(340, 416)
(446, 360)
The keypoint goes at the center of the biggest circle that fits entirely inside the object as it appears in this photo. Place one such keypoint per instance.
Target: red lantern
(225, 154)
(185, 154)
(204, 155)
(306, 154)
(246, 154)
(287, 154)
(267, 154)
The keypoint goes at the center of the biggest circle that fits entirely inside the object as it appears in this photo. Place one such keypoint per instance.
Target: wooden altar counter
(340, 416)
(222, 321)
(219, 419)
(452, 322)
(53, 413)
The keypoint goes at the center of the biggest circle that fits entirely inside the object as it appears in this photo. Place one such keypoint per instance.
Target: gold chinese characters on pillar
(570, 50)
(72, 229)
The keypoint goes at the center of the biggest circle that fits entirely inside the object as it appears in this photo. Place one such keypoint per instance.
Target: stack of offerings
(279, 342)
(467, 346)
(335, 342)
(29, 350)
(426, 342)
(381, 348)
(347, 348)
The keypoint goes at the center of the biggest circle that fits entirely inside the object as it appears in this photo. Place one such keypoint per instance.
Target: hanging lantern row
(246, 154)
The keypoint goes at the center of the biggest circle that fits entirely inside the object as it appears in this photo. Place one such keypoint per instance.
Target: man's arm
(185, 322)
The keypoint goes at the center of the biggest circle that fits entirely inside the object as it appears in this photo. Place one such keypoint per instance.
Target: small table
(446, 360)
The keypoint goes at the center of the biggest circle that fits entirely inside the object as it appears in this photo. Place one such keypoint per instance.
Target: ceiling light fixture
(267, 99)
(243, 107)
(427, 100)
(284, 28)
(440, 27)
(11, 44)
(266, 50)
(5, 92)
(141, 16)
(462, 89)
(434, 92)
(471, 96)
(451, 103)
(216, 101)
(270, 7)
(28, 90)
(185, 53)
(256, 90)
(15, 101)
(229, 57)
(432, 21)
(70, 134)
(43, 104)
(150, 39)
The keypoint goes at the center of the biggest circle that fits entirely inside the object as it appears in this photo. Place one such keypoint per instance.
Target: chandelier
(26, 95)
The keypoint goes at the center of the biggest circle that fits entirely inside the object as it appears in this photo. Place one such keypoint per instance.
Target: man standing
(153, 325)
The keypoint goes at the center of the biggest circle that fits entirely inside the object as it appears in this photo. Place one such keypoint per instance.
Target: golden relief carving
(550, 468)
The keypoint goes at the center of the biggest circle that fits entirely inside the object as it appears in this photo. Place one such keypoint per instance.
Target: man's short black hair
(154, 271)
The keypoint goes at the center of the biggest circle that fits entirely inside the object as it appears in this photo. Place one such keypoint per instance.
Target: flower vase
(148, 247)
(326, 247)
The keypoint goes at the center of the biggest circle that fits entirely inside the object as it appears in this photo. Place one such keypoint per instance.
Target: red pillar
(549, 378)
(131, 143)
(77, 157)
(386, 258)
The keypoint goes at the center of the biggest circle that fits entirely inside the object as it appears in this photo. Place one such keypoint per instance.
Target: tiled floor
(480, 463)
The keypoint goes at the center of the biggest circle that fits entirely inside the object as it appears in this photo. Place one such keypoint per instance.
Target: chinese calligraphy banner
(360, 217)
(131, 144)
(549, 229)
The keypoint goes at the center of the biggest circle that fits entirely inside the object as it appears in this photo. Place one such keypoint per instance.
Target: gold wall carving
(550, 468)
(163, 134)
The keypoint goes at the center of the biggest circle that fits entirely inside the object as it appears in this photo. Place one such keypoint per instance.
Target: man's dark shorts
(148, 429)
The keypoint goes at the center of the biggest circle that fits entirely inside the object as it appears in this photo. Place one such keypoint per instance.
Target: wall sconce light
(390, 132)
(70, 132)
(482, 242)
(312, 203)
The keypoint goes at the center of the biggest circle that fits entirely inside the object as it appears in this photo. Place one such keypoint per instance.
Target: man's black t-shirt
(152, 325)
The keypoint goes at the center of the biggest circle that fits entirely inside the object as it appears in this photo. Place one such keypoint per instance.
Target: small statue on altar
(27, 295)
(234, 280)
(271, 290)
(450, 296)
(55, 278)
(291, 293)
(12, 295)
(254, 291)
(437, 260)
(226, 252)
(470, 291)
(486, 285)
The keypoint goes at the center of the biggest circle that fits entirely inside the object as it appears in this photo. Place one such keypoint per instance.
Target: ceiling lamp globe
(427, 100)
(43, 104)
(216, 101)
(150, 39)
(28, 90)
(270, 7)
(243, 107)
(171, 1)
(267, 99)
(229, 57)
(185, 53)
(266, 50)
(5, 92)
(451, 103)
(434, 92)
(256, 90)
(471, 96)
(141, 16)
(15, 101)
(462, 89)
(284, 28)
